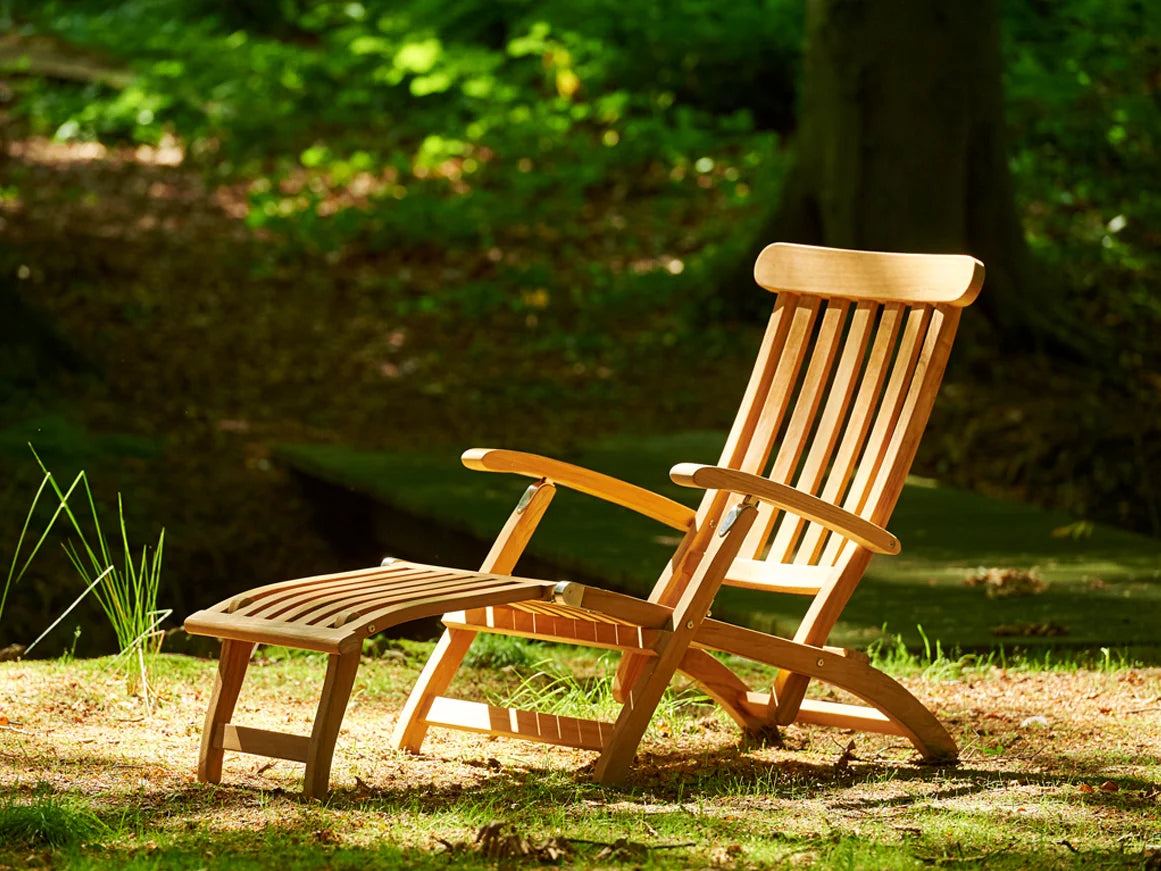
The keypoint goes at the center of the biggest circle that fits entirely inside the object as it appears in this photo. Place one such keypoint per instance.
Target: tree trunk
(901, 142)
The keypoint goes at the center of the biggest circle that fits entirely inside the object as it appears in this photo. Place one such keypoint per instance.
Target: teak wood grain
(829, 422)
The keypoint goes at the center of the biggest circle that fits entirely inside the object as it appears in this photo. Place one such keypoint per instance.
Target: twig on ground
(981, 857)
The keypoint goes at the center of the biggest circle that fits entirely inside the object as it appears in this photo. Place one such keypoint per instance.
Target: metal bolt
(371, 628)
(689, 624)
(821, 662)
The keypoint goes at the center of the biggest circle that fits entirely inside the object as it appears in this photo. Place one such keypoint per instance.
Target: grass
(1103, 584)
(127, 592)
(14, 573)
(1082, 791)
(46, 819)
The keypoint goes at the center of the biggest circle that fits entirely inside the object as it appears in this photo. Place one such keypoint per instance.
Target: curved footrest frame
(332, 614)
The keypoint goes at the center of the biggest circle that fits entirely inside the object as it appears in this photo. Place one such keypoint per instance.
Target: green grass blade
(63, 505)
(20, 544)
(68, 610)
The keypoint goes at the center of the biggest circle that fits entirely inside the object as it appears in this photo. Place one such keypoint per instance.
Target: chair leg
(644, 693)
(341, 669)
(232, 665)
(411, 727)
(613, 764)
(723, 686)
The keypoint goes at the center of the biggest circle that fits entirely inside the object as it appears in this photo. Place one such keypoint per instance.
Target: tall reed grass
(125, 585)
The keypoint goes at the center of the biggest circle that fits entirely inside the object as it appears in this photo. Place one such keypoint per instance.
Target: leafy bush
(431, 121)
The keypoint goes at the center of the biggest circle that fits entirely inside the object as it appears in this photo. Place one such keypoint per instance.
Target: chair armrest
(654, 505)
(831, 516)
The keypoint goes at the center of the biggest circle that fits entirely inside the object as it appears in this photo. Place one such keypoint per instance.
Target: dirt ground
(1069, 760)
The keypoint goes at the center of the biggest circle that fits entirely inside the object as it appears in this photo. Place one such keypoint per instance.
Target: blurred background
(229, 227)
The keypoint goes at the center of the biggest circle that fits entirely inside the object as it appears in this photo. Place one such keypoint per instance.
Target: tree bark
(901, 143)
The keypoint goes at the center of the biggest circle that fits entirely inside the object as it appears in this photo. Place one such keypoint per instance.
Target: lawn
(1060, 768)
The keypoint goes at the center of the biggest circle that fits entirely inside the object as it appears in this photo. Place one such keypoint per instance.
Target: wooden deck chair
(844, 381)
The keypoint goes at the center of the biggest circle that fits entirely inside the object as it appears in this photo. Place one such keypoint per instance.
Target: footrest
(334, 613)
(514, 723)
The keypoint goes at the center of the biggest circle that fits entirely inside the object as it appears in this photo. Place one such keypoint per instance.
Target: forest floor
(1058, 769)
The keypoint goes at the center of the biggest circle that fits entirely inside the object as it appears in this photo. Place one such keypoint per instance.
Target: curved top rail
(954, 279)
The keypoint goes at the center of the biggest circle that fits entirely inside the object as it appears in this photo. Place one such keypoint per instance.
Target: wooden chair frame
(842, 388)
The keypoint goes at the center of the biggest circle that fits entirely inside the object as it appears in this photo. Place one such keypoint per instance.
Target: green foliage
(1083, 88)
(259, 74)
(370, 126)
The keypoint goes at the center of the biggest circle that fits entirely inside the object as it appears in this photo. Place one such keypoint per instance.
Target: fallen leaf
(725, 855)
(1007, 582)
(842, 765)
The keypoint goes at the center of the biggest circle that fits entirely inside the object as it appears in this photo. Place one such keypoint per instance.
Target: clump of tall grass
(554, 689)
(891, 654)
(125, 586)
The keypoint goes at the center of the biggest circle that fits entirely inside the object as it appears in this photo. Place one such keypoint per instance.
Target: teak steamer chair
(844, 381)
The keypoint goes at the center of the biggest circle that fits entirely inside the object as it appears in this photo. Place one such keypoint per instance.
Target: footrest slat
(303, 613)
(514, 723)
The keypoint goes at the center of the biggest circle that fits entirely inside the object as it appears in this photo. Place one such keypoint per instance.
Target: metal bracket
(527, 497)
(734, 514)
(569, 593)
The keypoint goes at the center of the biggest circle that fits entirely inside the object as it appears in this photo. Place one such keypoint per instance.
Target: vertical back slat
(794, 439)
(858, 423)
(778, 397)
(838, 401)
(887, 420)
(899, 453)
(758, 387)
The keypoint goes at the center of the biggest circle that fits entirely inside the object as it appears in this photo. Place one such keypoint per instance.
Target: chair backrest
(842, 388)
